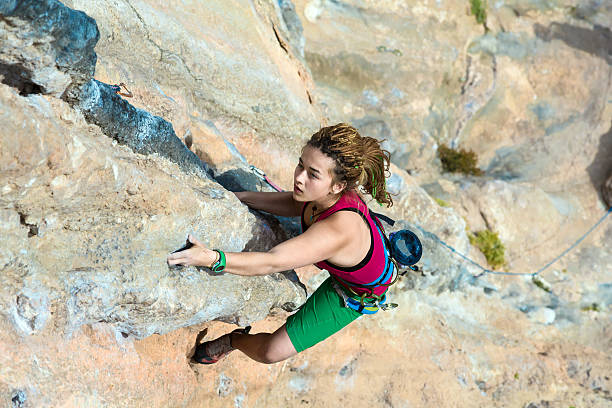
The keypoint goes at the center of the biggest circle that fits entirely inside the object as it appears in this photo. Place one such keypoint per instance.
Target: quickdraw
(117, 89)
(259, 173)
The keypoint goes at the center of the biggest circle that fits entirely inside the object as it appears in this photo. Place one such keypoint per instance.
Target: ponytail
(375, 169)
(360, 161)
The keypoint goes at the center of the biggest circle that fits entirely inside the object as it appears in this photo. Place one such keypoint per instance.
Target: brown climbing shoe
(212, 351)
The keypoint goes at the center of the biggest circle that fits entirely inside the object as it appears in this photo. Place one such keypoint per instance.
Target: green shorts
(322, 315)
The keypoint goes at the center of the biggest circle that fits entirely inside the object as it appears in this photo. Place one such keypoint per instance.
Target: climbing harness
(362, 305)
(403, 250)
(117, 89)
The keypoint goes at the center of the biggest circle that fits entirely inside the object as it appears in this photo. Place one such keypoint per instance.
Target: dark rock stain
(597, 42)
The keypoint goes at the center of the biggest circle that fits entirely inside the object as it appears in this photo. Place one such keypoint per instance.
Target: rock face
(211, 62)
(47, 47)
(89, 224)
(95, 190)
(133, 127)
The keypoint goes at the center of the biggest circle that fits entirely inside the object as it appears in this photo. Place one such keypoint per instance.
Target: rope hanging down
(484, 270)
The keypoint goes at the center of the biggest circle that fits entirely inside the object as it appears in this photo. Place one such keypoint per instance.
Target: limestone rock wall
(88, 224)
(96, 189)
(230, 64)
(420, 75)
(46, 46)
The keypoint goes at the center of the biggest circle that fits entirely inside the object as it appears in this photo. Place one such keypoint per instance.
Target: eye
(314, 176)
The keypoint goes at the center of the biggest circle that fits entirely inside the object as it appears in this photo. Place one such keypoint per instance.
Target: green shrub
(441, 202)
(489, 244)
(458, 161)
(593, 307)
(479, 10)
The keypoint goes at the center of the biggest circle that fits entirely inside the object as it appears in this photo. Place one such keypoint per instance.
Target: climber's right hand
(197, 255)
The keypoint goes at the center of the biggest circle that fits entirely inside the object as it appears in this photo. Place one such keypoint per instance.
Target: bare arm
(321, 241)
(275, 203)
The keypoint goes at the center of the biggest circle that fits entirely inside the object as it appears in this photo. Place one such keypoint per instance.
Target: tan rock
(89, 226)
(225, 64)
(71, 198)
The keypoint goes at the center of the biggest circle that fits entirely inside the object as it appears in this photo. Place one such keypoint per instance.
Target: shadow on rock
(17, 77)
(236, 180)
(198, 340)
(597, 42)
(601, 168)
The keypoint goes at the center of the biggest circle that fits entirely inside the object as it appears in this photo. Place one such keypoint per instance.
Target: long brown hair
(360, 161)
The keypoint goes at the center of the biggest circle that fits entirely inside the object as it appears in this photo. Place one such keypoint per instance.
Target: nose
(299, 175)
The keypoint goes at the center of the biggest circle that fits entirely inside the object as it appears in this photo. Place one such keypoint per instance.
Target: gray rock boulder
(142, 132)
(73, 35)
(46, 47)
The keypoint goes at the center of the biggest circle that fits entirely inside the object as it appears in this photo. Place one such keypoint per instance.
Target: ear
(338, 187)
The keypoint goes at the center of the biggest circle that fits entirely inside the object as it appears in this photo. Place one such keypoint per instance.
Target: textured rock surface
(216, 62)
(46, 46)
(133, 127)
(87, 223)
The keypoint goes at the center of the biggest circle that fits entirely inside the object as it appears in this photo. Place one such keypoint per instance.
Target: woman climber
(339, 235)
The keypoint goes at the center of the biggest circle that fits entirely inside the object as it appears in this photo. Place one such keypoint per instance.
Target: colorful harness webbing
(370, 304)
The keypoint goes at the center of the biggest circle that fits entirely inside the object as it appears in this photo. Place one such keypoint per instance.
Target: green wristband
(219, 266)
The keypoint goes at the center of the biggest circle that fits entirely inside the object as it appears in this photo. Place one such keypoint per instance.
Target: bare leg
(265, 347)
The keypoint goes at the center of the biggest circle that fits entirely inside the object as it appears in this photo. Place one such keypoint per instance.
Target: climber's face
(312, 179)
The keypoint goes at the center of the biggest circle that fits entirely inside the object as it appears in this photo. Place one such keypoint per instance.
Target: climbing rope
(484, 270)
(259, 173)
(489, 271)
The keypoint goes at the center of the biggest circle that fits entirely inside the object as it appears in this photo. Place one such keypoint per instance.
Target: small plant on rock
(489, 244)
(593, 307)
(458, 161)
(479, 10)
(441, 202)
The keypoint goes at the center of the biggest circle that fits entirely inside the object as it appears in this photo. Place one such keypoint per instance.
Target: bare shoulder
(347, 222)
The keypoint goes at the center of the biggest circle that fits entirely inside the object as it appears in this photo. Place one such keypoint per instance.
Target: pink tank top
(371, 268)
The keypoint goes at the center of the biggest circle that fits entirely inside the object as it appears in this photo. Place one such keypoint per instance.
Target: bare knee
(267, 348)
(269, 354)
